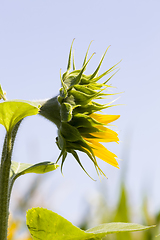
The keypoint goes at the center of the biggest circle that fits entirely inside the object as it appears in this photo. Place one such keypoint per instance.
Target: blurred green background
(98, 211)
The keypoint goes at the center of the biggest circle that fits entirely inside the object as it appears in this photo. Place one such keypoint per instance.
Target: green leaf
(45, 224)
(18, 169)
(117, 227)
(11, 112)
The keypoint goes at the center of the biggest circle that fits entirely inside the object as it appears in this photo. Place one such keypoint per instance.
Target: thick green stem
(5, 189)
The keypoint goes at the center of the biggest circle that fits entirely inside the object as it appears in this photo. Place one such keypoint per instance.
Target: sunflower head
(81, 127)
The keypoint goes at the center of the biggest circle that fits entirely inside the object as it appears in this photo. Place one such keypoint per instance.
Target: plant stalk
(5, 180)
(50, 109)
(4, 188)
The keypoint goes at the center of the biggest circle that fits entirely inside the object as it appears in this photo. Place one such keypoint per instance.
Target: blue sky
(34, 46)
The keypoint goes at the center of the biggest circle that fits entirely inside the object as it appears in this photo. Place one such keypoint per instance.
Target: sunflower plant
(82, 127)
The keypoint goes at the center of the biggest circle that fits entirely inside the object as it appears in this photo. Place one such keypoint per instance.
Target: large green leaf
(11, 112)
(45, 224)
(18, 169)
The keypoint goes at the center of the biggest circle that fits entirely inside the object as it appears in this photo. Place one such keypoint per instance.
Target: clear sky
(34, 46)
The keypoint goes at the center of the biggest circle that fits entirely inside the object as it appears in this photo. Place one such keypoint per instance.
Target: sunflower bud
(81, 128)
(74, 111)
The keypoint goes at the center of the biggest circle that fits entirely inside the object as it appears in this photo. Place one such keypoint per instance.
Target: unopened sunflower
(74, 112)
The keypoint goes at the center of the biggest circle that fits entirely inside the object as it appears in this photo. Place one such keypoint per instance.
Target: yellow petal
(107, 135)
(104, 119)
(101, 152)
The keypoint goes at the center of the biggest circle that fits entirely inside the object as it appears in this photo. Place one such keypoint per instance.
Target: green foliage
(123, 212)
(18, 169)
(117, 227)
(11, 112)
(45, 224)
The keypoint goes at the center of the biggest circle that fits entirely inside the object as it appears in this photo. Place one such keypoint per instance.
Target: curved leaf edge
(12, 111)
(39, 215)
(117, 227)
